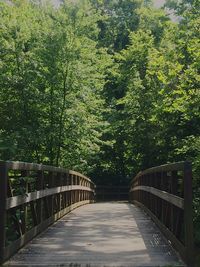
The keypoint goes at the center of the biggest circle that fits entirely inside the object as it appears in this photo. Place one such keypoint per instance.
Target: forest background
(105, 87)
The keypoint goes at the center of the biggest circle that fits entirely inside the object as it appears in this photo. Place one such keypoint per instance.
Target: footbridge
(49, 216)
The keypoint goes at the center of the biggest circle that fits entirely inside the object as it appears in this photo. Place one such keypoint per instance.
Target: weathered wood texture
(100, 234)
(32, 197)
(165, 193)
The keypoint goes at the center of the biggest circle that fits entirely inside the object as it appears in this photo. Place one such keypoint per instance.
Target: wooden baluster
(162, 201)
(146, 193)
(71, 192)
(59, 195)
(33, 210)
(155, 197)
(76, 191)
(174, 191)
(39, 204)
(79, 197)
(16, 222)
(51, 198)
(159, 201)
(65, 193)
(151, 184)
(188, 213)
(24, 208)
(46, 185)
(167, 204)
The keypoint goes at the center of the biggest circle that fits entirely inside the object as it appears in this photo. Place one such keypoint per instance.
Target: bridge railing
(165, 193)
(111, 193)
(33, 196)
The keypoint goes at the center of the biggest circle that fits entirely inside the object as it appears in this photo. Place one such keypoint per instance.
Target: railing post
(188, 213)
(40, 186)
(3, 196)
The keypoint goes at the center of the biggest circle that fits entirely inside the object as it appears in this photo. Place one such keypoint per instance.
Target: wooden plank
(40, 167)
(19, 200)
(16, 245)
(175, 200)
(101, 234)
(167, 233)
(177, 166)
(17, 165)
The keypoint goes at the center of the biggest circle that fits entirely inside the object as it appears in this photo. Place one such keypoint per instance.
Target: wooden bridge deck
(101, 234)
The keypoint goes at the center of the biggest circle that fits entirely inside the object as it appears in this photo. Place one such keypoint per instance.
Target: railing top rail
(178, 166)
(29, 206)
(80, 175)
(166, 167)
(18, 165)
(165, 193)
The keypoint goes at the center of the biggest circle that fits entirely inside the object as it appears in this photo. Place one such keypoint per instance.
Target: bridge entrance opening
(111, 193)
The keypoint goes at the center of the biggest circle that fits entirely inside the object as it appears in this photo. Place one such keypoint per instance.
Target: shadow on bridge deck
(100, 234)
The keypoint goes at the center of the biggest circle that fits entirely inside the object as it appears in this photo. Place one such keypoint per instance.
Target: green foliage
(51, 83)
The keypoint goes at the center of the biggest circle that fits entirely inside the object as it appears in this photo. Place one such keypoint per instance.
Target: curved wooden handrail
(165, 193)
(175, 200)
(33, 196)
(18, 165)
